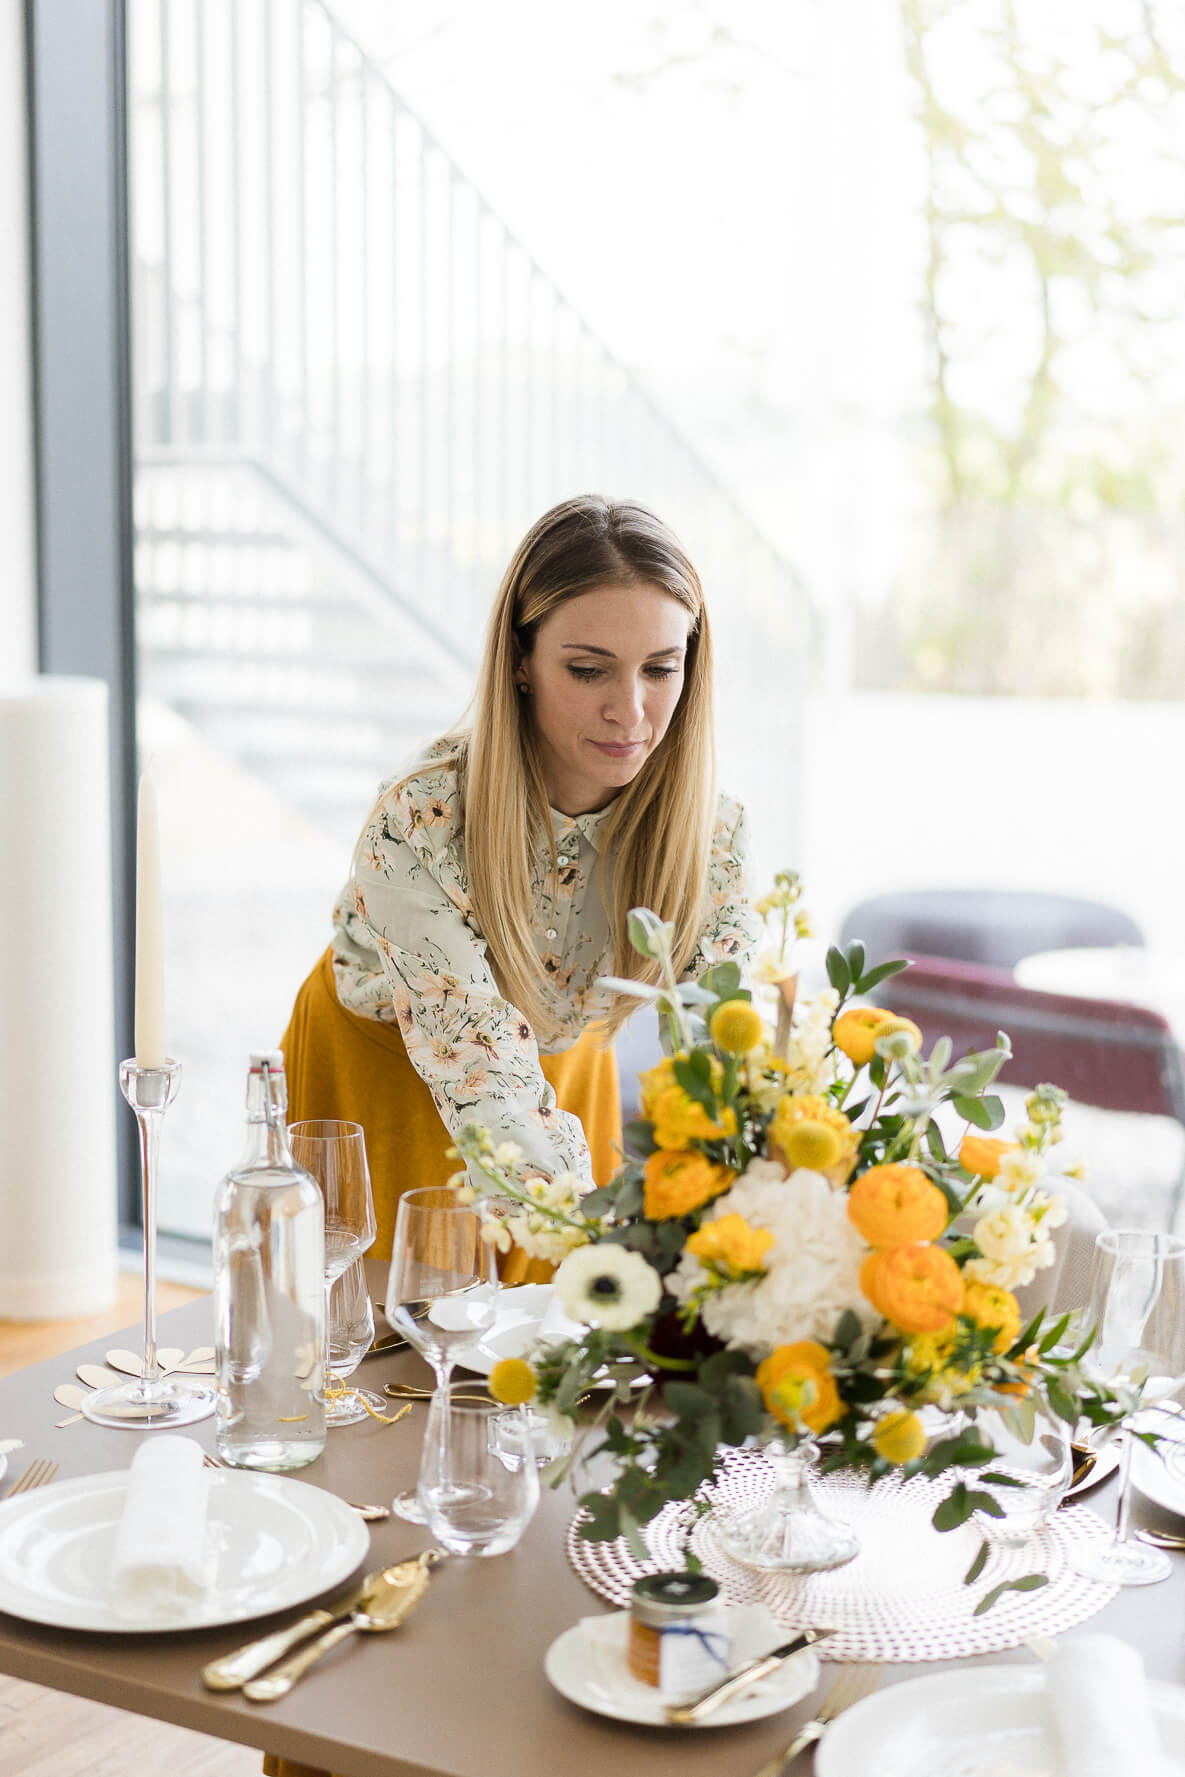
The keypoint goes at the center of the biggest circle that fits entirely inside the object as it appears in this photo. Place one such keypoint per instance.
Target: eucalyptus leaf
(1028, 1583)
(838, 973)
(873, 977)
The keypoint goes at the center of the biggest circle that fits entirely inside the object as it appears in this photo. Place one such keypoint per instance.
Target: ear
(521, 666)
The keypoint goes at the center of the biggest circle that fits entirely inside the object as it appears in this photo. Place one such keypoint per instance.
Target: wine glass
(351, 1324)
(1137, 1308)
(442, 1289)
(334, 1152)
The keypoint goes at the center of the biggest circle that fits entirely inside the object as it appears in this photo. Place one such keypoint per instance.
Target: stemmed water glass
(334, 1152)
(1137, 1308)
(442, 1289)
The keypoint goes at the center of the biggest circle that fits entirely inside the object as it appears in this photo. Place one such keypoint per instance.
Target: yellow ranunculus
(512, 1381)
(899, 1437)
(677, 1118)
(989, 1306)
(731, 1245)
(810, 1132)
(856, 1031)
(736, 1027)
(919, 1288)
(677, 1183)
(797, 1385)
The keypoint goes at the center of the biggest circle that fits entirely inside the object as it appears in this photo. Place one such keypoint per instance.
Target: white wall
(18, 618)
(1080, 798)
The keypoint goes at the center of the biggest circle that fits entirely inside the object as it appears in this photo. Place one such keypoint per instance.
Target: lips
(618, 749)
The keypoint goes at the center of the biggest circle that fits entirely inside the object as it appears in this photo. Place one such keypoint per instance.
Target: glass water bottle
(269, 1291)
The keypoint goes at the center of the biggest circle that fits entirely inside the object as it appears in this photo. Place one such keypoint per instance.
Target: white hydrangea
(812, 1271)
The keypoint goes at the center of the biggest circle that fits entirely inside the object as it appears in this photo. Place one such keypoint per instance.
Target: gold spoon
(1161, 1539)
(394, 1593)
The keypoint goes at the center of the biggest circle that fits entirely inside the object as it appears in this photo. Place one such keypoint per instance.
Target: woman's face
(603, 679)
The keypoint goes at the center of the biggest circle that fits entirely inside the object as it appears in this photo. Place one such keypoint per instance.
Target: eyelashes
(588, 673)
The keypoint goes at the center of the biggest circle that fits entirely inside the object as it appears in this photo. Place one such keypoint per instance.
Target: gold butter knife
(233, 1671)
(694, 1709)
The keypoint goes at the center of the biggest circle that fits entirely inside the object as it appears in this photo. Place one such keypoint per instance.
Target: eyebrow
(587, 648)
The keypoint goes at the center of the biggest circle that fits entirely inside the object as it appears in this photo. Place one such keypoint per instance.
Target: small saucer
(587, 1665)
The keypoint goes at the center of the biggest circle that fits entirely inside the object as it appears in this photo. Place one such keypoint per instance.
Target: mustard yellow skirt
(341, 1065)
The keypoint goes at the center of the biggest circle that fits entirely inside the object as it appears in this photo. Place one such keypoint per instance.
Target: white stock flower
(608, 1286)
(1013, 1245)
(810, 1040)
(812, 1271)
(1020, 1170)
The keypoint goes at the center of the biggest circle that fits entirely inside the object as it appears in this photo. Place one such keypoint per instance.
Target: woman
(491, 884)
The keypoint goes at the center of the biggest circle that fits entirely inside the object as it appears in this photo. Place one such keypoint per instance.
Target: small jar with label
(678, 1633)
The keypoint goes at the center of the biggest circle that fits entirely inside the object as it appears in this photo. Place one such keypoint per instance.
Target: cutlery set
(380, 1602)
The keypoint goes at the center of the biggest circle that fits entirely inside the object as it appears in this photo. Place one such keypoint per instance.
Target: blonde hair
(659, 829)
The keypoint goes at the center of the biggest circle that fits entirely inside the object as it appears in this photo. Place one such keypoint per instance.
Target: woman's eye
(585, 672)
(662, 672)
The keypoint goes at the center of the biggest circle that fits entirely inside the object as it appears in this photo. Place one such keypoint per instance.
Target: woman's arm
(731, 929)
(406, 913)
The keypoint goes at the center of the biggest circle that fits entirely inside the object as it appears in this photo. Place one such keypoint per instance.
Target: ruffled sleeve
(407, 904)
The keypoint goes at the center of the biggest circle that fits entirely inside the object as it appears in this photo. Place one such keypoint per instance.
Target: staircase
(354, 388)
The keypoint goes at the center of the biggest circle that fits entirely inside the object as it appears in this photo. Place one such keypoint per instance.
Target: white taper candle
(150, 962)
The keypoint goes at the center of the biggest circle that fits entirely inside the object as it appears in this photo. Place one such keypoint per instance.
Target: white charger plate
(273, 1543)
(590, 1669)
(980, 1722)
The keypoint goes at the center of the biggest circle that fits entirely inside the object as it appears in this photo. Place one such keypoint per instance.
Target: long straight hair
(659, 830)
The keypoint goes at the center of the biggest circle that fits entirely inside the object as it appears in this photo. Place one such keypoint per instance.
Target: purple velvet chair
(1117, 1057)
(992, 926)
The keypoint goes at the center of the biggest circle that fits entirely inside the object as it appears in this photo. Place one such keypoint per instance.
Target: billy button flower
(512, 1381)
(811, 1133)
(989, 1306)
(856, 1031)
(982, 1154)
(899, 1437)
(736, 1027)
(918, 1288)
(677, 1183)
(896, 1205)
(798, 1388)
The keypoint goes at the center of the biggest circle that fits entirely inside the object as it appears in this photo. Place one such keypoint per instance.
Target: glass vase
(786, 1532)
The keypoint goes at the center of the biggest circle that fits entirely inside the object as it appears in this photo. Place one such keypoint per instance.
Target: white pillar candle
(150, 978)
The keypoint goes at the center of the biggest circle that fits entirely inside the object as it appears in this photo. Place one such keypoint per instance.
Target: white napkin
(160, 1545)
(1101, 1710)
(557, 1324)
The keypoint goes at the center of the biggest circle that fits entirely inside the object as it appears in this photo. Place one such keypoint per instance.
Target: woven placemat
(903, 1596)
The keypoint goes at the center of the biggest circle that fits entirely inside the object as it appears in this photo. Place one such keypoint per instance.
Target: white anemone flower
(606, 1285)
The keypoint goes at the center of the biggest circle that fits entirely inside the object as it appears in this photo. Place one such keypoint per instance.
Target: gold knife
(694, 1709)
(233, 1671)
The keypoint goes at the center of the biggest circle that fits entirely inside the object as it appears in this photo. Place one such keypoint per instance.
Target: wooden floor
(46, 1733)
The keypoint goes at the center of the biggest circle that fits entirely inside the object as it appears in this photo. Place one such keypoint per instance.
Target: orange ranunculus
(796, 1384)
(856, 1031)
(897, 1205)
(982, 1154)
(677, 1183)
(918, 1288)
(989, 1306)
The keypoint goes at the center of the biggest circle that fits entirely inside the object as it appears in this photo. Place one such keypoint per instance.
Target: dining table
(459, 1689)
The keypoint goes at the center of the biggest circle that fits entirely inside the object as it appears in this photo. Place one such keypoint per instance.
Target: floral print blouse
(407, 949)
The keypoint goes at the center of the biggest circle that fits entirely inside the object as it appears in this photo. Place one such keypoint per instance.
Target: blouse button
(552, 933)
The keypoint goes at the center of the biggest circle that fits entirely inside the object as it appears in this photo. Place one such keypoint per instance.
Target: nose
(626, 705)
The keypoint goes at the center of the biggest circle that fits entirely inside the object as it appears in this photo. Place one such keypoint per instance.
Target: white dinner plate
(980, 1722)
(587, 1665)
(273, 1542)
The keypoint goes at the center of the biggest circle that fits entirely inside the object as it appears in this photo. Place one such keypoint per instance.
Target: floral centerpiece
(794, 1251)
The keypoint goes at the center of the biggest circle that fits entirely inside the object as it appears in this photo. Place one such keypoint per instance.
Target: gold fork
(36, 1475)
(853, 1683)
(372, 1514)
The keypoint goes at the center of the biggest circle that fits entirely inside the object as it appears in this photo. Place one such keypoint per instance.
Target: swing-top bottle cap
(273, 1059)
